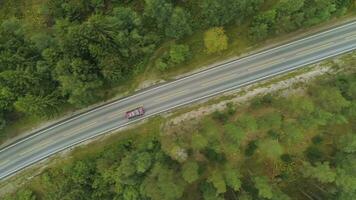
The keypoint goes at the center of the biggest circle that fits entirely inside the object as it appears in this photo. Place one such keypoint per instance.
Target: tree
(127, 170)
(258, 32)
(42, 41)
(112, 68)
(7, 98)
(178, 53)
(209, 192)
(143, 161)
(39, 106)
(81, 172)
(78, 81)
(232, 178)
(222, 12)
(22, 194)
(179, 24)
(2, 122)
(190, 171)
(263, 25)
(216, 13)
(348, 143)
(234, 134)
(346, 180)
(318, 11)
(289, 15)
(216, 178)
(270, 149)
(286, 7)
(329, 98)
(162, 183)
(161, 65)
(19, 83)
(263, 186)
(351, 91)
(160, 11)
(215, 40)
(131, 193)
(321, 171)
(199, 142)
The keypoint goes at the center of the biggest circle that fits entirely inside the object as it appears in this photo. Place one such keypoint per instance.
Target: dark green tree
(160, 11)
(179, 24)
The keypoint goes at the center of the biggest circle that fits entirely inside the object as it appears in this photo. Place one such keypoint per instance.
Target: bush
(220, 116)
(177, 54)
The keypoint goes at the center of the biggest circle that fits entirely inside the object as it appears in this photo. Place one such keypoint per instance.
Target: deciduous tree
(215, 40)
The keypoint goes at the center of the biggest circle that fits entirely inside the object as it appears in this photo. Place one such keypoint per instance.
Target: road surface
(228, 76)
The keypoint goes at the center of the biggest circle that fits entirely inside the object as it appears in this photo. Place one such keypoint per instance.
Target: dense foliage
(276, 147)
(77, 48)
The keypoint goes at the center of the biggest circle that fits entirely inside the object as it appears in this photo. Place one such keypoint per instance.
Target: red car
(135, 113)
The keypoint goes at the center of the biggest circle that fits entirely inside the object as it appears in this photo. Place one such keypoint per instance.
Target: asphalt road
(184, 91)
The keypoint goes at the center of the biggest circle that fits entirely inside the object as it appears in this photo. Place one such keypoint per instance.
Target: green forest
(70, 52)
(276, 147)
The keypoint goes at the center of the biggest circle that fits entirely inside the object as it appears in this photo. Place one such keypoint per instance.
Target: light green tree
(190, 171)
(215, 40)
(143, 161)
(346, 180)
(232, 178)
(178, 53)
(199, 142)
(348, 143)
(329, 98)
(263, 186)
(270, 149)
(321, 171)
(234, 134)
(217, 179)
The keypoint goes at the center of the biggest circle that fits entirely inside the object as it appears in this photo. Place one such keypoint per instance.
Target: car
(135, 113)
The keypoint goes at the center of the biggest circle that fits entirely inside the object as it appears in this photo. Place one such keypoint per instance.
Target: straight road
(228, 76)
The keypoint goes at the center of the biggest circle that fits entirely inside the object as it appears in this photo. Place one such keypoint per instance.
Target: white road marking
(37, 147)
(76, 130)
(3, 162)
(168, 96)
(302, 53)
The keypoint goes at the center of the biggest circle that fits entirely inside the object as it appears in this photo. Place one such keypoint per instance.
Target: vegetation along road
(159, 99)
